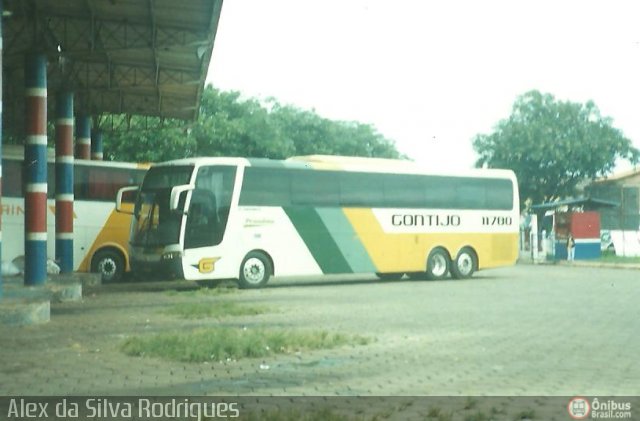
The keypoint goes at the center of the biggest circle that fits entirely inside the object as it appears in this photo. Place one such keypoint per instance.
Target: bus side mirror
(176, 193)
(126, 195)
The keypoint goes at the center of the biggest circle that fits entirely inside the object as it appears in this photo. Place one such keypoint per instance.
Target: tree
(231, 126)
(553, 145)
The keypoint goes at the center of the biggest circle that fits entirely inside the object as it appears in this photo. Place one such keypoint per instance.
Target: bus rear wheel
(109, 264)
(255, 270)
(437, 264)
(465, 264)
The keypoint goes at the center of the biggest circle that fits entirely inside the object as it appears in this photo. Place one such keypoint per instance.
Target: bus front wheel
(109, 264)
(465, 264)
(437, 264)
(255, 270)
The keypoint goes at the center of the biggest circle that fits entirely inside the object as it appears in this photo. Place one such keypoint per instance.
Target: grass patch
(223, 343)
(294, 415)
(612, 258)
(214, 309)
(529, 414)
(202, 292)
(470, 403)
(478, 416)
(435, 413)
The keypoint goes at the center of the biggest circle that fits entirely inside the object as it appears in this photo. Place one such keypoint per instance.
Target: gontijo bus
(100, 233)
(249, 219)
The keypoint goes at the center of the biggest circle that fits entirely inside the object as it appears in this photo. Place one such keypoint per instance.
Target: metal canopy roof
(587, 202)
(144, 57)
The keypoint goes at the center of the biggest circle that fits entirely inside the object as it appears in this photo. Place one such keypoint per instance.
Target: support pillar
(83, 137)
(1, 286)
(96, 144)
(35, 157)
(64, 181)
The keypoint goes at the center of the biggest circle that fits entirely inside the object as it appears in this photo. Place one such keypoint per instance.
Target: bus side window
(11, 178)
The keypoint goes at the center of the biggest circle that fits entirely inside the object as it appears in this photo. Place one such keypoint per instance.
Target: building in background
(620, 225)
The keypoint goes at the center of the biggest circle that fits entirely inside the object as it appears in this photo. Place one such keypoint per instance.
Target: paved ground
(526, 330)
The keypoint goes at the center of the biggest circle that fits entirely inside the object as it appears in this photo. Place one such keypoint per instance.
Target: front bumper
(167, 264)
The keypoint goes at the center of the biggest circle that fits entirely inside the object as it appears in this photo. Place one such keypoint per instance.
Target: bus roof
(344, 163)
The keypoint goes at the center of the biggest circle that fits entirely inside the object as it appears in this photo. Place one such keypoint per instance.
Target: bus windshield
(154, 224)
(206, 217)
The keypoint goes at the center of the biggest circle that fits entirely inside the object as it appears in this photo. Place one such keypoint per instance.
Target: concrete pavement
(527, 330)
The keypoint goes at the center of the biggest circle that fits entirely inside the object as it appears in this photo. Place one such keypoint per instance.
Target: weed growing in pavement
(478, 416)
(435, 413)
(202, 292)
(529, 414)
(296, 415)
(224, 343)
(217, 309)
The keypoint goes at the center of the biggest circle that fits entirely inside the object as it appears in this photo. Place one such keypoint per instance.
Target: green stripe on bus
(318, 239)
(347, 240)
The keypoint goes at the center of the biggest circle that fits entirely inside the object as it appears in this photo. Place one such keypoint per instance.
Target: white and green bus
(250, 219)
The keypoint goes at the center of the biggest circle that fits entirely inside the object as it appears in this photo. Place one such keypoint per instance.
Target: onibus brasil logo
(579, 408)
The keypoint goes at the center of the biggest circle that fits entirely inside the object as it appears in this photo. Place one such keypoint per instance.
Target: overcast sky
(430, 75)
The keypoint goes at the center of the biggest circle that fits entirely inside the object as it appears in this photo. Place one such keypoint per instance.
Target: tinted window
(266, 187)
(361, 190)
(315, 188)
(282, 187)
(469, 193)
(404, 191)
(102, 183)
(90, 183)
(439, 192)
(499, 194)
(11, 178)
(167, 176)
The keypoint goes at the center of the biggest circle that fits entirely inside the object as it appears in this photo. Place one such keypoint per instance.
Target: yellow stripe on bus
(408, 252)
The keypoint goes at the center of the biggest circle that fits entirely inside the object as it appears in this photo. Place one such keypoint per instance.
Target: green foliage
(222, 343)
(216, 309)
(231, 126)
(553, 145)
(324, 414)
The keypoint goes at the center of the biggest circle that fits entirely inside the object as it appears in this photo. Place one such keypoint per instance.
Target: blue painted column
(1, 287)
(35, 157)
(96, 144)
(83, 137)
(64, 181)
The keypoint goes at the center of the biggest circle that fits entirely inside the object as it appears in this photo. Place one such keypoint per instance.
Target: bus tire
(255, 270)
(465, 264)
(438, 264)
(109, 264)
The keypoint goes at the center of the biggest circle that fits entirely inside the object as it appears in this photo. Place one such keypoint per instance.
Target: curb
(582, 263)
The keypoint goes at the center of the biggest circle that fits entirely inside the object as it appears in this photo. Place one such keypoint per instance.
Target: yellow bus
(100, 233)
(250, 219)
